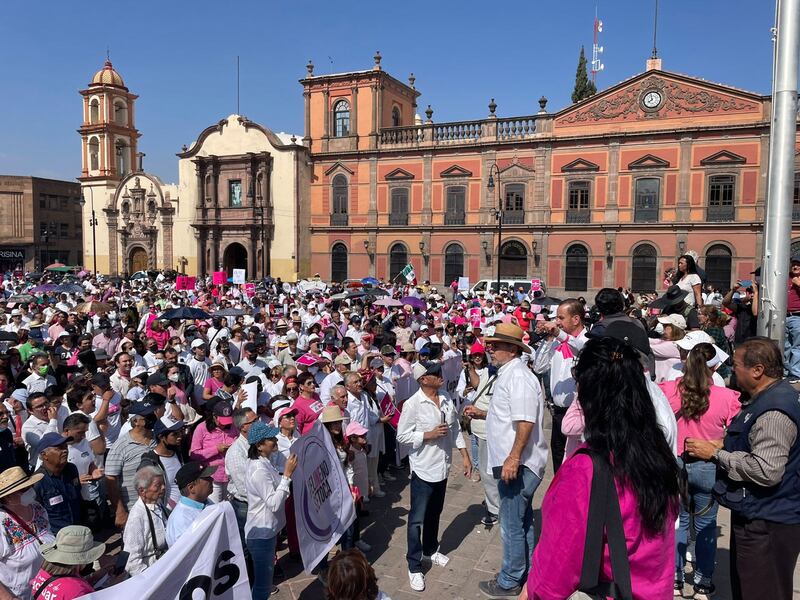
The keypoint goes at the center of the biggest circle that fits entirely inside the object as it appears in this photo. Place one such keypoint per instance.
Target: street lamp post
(93, 223)
(49, 230)
(497, 215)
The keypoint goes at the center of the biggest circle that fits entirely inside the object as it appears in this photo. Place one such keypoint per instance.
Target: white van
(485, 284)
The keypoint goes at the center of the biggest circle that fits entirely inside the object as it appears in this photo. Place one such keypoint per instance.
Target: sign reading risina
(12, 253)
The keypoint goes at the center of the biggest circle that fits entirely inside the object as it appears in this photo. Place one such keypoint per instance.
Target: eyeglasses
(39, 407)
(292, 389)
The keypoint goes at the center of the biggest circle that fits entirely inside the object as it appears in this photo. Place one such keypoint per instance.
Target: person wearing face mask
(150, 356)
(186, 377)
(251, 364)
(40, 378)
(105, 339)
(211, 441)
(166, 455)
(108, 413)
(125, 456)
(198, 365)
(59, 489)
(43, 419)
(23, 527)
(226, 354)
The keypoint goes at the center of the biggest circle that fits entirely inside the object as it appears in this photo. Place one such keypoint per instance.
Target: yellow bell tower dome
(108, 76)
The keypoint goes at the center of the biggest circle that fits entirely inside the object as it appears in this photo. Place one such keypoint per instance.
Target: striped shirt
(771, 437)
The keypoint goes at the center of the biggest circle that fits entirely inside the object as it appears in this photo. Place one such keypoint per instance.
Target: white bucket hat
(74, 545)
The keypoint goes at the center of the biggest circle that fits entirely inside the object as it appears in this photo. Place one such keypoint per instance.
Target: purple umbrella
(414, 302)
(45, 288)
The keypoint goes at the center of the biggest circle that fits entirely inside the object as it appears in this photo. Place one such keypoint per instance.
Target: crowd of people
(126, 405)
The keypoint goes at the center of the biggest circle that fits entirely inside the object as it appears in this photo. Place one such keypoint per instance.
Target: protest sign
(206, 562)
(405, 387)
(536, 285)
(219, 278)
(238, 276)
(463, 284)
(323, 504)
(451, 371)
(251, 389)
(250, 289)
(389, 409)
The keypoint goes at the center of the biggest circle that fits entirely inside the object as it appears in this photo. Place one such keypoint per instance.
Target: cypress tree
(584, 87)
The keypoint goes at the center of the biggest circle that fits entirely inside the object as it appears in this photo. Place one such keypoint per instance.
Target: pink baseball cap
(355, 428)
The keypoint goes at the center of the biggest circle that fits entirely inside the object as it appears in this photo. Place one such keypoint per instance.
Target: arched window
(123, 157)
(94, 111)
(338, 262)
(398, 259)
(718, 267)
(399, 208)
(647, 194)
(644, 269)
(341, 118)
(513, 260)
(721, 192)
(120, 112)
(396, 120)
(577, 271)
(340, 200)
(94, 154)
(456, 201)
(453, 263)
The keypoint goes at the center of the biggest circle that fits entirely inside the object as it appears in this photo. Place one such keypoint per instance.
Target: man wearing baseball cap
(429, 425)
(195, 484)
(198, 365)
(59, 490)
(341, 365)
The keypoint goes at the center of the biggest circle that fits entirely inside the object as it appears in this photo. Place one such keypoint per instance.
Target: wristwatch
(715, 456)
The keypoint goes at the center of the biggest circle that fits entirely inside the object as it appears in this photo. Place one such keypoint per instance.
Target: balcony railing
(398, 219)
(459, 132)
(454, 218)
(580, 215)
(645, 215)
(339, 219)
(514, 217)
(717, 213)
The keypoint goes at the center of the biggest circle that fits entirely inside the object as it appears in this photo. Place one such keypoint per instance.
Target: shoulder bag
(604, 515)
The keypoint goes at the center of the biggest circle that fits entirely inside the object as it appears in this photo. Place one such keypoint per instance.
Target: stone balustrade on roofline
(456, 133)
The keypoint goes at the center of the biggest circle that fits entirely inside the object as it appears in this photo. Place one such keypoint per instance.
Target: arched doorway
(338, 262)
(644, 268)
(137, 260)
(577, 269)
(513, 260)
(453, 263)
(235, 257)
(398, 259)
(718, 267)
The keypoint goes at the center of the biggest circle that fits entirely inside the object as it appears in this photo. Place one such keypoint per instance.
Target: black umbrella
(546, 301)
(184, 313)
(8, 336)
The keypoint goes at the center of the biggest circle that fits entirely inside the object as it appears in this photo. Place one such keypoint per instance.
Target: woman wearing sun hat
(267, 491)
(23, 527)
(59, 577)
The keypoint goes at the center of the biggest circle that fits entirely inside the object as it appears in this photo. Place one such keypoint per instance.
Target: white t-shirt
(82, 457)
(171, 466)
(686, 283)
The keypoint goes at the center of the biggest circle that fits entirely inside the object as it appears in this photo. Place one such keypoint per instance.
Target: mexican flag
(408, 273)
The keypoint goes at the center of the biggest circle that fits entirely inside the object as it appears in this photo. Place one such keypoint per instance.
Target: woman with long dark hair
(621, 427)
(704, 411)
(688, 280)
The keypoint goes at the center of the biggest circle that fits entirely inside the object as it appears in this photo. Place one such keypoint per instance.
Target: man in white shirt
(341, 365)
(42, 419)
(429, 424)
(121, 378)
(198, 365)
(251, 364)
(558, 355)
(517, 453)
(39, 379)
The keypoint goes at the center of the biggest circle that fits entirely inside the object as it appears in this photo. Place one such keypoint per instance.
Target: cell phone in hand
(746, 283)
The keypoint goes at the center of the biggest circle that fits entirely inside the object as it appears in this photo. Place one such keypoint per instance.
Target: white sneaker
(379, 494)
(437, 558)
(416, 581)
(363, 546)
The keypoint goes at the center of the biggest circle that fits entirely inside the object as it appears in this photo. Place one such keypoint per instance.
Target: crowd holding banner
(226, 427)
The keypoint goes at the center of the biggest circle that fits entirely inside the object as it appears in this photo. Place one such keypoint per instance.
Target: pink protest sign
(219, 278)
(536, 285)
(388, 408)
(250, 289)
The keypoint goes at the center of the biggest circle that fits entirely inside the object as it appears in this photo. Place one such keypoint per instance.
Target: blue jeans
(791, 347)
(427, 501)
(263, 553)
(240, 510)
(701, 481)
(516, 525)
(474, 451)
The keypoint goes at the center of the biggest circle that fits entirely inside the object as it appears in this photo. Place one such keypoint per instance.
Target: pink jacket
(558, 557)
(204, 448)
(667, 355)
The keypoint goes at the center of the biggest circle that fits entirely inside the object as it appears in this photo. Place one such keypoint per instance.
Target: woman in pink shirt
(211, 441)
(156, 331)
(703, 411)
(621, 424)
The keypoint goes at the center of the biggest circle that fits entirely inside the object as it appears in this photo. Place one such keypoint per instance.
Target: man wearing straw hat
(517, 453)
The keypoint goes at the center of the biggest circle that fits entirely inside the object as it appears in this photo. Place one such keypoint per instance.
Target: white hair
(145, 476)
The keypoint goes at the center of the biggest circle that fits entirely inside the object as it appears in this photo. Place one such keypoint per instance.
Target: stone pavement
(475, 552)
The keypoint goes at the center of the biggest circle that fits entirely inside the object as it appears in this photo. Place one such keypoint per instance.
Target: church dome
(108, 76)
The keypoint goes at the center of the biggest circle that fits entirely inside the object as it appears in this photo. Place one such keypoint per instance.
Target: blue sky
(180, 58)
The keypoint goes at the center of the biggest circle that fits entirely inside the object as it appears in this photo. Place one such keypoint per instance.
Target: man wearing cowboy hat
(517, 453)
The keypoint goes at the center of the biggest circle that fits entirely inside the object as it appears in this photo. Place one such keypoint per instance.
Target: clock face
(651, 99)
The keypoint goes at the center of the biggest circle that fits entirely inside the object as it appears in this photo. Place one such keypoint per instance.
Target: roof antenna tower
(597, 49)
